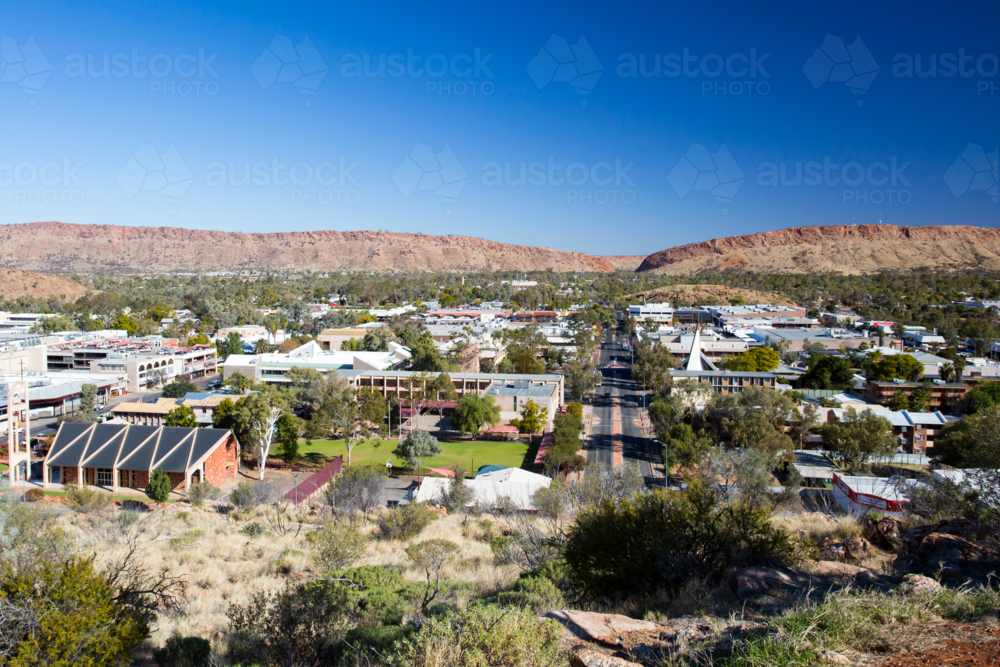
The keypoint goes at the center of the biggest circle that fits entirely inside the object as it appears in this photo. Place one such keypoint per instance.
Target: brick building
(944, 397)
(116, 455)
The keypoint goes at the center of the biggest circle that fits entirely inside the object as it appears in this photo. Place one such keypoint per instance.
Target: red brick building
(116, 456)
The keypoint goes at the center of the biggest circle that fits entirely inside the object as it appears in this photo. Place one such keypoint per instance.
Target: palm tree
(261, 346)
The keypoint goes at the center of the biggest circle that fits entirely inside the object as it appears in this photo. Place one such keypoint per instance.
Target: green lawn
(507, 454)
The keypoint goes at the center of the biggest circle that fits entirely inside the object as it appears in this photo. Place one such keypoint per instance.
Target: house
(491, 488)
(153, 413)
(861, 495)
(117, 456)
(944, 396)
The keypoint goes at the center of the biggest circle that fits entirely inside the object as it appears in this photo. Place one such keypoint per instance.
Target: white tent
(513, 483)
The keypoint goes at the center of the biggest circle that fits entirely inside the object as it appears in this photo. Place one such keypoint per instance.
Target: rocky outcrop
(955, 551)
(15, 283)
(56, 247)
(847, 249)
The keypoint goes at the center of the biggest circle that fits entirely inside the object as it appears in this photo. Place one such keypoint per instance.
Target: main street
(617, 434)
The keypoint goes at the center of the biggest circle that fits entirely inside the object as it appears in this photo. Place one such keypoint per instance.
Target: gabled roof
(132, 447)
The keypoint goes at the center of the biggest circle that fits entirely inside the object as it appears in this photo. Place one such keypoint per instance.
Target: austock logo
(975, 170)
(700, 171)
(559, 62)
(835, 62)
(150, 171)
(24, 64)
(424, 170)
(285, 62)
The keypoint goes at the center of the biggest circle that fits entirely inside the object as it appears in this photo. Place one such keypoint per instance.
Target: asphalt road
(616, 435)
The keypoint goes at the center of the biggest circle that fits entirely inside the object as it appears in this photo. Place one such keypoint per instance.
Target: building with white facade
(658, 312)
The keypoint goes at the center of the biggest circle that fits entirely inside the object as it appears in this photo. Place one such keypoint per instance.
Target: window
(104, 477)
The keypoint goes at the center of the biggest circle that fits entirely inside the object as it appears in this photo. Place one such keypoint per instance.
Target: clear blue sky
(665, 125)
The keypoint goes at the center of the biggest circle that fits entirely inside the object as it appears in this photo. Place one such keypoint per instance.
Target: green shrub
(86, 499)
(670, 538)
(61, 612)
(482, 635)
(768, 652)
(202, 491)
(158, 489)
(538, 594)
(34, 495)
(183, 652)
(966, 604)
(366, 641)
(404, 522)
(337, 545)
(375, 591)
(252, 529)
(187, 539)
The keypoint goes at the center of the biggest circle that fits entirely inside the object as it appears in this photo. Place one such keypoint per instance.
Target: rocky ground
(890, 616)
(15, 283)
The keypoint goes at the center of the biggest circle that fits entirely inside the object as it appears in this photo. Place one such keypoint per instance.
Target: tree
(683, 446)
(977, 401)
(126, 323)
(531, 418)
(440, 391)
(581, 377)
(233, 344)
(257, 415)
(652, 366)
(757, 360)
(859, 438)
(377, 340)
(896, 366)
(825, 371)
(954, 445)
(983, 457)
(302, 378)
(88, 401)
(670, 538)
(182, 415)
(241, 383)
(753, 417)
(419, 445)
(899, 401)
(981, 333)
(337, 545)
(343, 413)
(425, 356)
(920, 400)
(473, 411)
(271, 325)
(431, 556)
(179, 389)
(288, 436)
(222, 414)
(158, 489)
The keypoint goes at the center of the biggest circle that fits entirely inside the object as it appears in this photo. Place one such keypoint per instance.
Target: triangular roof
(696, 360)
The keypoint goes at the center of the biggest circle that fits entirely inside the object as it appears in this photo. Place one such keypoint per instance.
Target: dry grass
(819, 527)
(222, 566)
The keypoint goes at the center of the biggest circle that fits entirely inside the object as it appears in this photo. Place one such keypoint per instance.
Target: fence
(315, 483)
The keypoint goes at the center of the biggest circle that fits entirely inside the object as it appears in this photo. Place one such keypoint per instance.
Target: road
(617, 435)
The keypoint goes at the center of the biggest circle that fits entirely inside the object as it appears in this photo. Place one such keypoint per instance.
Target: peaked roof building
(119, 455)
(699, 367)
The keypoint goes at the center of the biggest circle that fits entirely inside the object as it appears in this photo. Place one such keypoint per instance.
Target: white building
(272, 367)
(658, 312)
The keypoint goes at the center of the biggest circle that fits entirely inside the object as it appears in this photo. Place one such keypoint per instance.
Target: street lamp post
(297, 488)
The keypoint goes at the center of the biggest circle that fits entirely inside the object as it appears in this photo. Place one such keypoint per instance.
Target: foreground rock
(601, 628)
(958, 551)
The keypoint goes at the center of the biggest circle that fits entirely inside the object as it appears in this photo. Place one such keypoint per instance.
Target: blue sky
(661, 126)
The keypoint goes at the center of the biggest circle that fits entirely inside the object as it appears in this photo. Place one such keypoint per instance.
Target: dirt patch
(15, 283)
(710, 294)
(958, 646)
